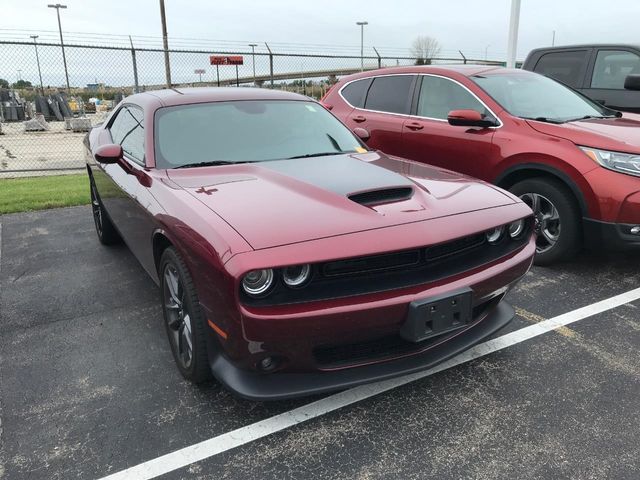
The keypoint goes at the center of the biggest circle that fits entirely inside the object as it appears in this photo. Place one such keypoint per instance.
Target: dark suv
(608, 74)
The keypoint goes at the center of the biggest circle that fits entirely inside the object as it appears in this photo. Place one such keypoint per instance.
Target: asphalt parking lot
(88, 387)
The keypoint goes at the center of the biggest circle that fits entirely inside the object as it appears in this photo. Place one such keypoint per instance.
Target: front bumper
(277, 386)
(609, 236)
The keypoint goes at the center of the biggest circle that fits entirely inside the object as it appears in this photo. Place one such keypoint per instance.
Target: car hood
(289, 201)
(617, 134)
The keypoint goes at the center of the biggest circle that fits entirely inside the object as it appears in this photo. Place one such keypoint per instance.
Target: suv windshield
(247, 131)
(529, 95)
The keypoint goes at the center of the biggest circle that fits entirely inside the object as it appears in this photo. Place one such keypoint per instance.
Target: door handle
(414, 126)
(359, 119)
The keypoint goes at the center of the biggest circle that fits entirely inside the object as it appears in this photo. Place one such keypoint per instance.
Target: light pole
(512, 44)
(35, 44)
(58, 6)
(362, 24)
(253, 59)
(165, 44)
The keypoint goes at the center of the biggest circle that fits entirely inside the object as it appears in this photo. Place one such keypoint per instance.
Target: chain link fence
(45, 109)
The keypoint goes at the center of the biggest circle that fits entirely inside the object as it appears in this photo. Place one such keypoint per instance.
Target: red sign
(231, 60)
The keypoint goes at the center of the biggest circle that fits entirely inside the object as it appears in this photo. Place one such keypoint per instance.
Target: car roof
(466, 70)
(183, 96)
(589, 45)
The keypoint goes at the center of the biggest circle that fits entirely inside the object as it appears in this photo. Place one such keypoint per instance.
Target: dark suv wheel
(558, 222)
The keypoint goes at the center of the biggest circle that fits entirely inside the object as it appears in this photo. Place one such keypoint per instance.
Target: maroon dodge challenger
(291, 259)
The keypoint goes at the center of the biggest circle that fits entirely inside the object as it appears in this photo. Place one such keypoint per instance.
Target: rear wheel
(183, 317)
(107, 233)
(558, 224)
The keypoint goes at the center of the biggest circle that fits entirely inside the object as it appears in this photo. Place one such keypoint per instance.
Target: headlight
(516, 228)
(257, 282)
(620, 162)
(495, 235)
(296, 275)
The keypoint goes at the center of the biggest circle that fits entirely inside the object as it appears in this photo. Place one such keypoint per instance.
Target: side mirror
(469, 118)
(632, 82)
(361, 133)
(109, 153)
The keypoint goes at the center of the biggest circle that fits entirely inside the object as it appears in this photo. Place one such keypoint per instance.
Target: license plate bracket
(435, 316)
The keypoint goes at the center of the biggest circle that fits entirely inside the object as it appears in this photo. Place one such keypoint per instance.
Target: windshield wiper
(210, 163)
(542, 119)
(586, 117)
(321, 154)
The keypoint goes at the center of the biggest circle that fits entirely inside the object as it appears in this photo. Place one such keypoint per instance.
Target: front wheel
(107, 233)
(183, 317)
(558, 223)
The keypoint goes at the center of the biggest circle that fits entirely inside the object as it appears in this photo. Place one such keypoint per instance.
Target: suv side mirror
(469, 118)
(361, 133)
(109, 153)
(632, 82)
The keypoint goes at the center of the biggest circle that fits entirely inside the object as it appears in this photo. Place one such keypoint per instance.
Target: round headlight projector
(297, 275)
(495, 235)
(516, 228)
(257, 282)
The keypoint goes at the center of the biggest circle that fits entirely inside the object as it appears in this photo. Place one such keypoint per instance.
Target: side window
(612, 67)
(355, 92)
(128, 130)
(566, 67)
(438, 96)
(390, 93)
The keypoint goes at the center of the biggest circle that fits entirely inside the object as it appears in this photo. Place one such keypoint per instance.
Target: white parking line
(208, 448)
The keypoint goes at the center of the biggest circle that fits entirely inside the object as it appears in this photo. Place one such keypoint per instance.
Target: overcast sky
(468, 25)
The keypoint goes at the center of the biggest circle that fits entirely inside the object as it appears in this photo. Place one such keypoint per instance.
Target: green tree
(4, 83)
(22, 84)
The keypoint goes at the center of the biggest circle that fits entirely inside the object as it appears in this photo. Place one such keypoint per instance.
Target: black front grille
(390, 271)
(371, 264)
(388, 347)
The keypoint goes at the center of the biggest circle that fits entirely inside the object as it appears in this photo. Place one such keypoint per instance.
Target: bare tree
(425, 48)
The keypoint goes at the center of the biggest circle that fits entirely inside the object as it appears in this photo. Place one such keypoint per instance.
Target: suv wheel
(558, 224)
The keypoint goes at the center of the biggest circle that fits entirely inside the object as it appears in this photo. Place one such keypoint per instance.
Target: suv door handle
(414, 126)
(359, 119)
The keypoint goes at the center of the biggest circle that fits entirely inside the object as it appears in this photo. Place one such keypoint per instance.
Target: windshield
(529, 95)
(247, 131)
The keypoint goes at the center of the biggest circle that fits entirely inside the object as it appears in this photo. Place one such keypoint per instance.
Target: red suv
(573, 161)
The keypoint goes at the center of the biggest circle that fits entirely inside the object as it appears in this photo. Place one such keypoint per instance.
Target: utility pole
(362, 24)
(135, 67)
(165, 43)
(512, 45)
(58, 6)
(253, 59)
(486, 49)
(553, 39)
(35, 44)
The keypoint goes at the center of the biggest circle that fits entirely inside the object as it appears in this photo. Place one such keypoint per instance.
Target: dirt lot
(88, 386)
(54, 149)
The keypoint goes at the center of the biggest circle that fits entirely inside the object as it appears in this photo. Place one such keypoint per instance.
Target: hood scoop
(381, 196)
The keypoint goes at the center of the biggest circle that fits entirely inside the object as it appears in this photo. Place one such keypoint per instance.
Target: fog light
(268, 364)
(257, 282)
(635, 230)
(296, 275)
(495, 235)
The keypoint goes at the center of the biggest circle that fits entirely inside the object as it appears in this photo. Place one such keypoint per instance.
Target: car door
(607, 76)
(427, 136)
(122, 187)
(385, 105)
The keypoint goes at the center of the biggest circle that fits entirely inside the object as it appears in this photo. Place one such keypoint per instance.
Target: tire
(183, 318)
(558, 219)
(107, 233)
